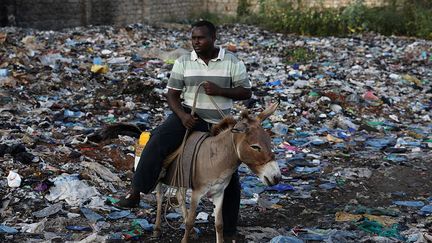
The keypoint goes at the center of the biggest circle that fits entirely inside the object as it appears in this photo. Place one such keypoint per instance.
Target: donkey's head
(253, 146)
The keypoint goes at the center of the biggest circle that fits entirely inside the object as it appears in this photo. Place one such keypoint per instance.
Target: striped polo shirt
(226, 70)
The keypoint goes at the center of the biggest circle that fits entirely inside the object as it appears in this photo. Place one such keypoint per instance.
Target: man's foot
(131, 200)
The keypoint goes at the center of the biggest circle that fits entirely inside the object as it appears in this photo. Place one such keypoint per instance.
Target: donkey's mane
(223, 125)
(227, 123)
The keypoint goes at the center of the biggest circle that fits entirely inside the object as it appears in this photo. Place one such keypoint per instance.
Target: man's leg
(231, 205)
(164, 140)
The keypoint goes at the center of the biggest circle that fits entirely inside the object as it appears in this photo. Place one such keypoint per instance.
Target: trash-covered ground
(353, 134)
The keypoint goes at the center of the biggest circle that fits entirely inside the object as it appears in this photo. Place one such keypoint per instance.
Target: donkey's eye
(256, 147)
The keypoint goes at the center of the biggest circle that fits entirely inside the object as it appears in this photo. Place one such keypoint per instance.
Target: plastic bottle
(142, 141)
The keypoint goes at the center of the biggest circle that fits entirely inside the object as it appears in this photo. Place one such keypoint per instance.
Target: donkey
(218, 158)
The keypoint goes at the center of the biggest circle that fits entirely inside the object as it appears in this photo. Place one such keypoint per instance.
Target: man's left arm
(241, 89)
(236, 93)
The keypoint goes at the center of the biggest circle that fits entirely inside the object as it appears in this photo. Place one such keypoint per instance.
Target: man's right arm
(174, 102)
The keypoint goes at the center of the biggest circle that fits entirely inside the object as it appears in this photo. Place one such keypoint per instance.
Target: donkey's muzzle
(271, 174)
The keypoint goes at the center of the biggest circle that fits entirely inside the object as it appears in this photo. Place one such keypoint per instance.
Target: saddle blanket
(181, 176)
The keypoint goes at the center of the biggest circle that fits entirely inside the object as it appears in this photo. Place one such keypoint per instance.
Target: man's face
(202, 40)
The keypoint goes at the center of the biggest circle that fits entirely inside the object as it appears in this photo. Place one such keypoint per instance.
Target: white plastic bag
(14, 180)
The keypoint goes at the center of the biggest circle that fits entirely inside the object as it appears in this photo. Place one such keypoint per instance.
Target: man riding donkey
(225, 80)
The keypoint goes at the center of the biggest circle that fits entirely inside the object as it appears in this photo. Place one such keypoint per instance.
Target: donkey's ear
(240, 127)
(244, 114)
(268, 111)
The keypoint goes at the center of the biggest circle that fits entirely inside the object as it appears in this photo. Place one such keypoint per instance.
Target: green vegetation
(243, 8)
(410, 17)
(395, 17)
(298, 55)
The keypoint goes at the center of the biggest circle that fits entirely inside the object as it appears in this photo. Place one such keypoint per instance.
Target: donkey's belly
(218, 187)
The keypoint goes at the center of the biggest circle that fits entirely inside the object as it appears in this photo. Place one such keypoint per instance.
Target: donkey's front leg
(195, 199)
(217, 202)
(181, 198)
(159, 197)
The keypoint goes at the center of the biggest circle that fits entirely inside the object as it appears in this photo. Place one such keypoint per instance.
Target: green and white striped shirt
(226, 70)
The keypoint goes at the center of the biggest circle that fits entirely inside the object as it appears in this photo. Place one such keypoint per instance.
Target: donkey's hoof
(194, 233)
(156, 234)
(194, 236)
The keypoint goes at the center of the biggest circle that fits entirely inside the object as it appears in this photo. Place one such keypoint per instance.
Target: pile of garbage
(352, 136)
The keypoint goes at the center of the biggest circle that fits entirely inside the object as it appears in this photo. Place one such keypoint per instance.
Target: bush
(398, 17)
(243, 8)
(386, 20)
(419, 18)
(354, 17)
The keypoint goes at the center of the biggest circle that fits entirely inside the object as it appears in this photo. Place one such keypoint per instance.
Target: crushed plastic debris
(409, 203)
(144, 224)
(50, 210)
(118, 214)
(72, 190)
(91, 215)
(7, 230)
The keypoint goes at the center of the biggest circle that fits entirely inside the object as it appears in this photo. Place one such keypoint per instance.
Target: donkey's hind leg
(159, 198)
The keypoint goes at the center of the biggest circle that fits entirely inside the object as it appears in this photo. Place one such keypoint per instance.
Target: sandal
(127, 202)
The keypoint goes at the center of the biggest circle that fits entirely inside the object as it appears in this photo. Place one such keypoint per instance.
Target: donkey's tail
(112, 131)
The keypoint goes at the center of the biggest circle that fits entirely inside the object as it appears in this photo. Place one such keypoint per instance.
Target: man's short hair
(204, 23)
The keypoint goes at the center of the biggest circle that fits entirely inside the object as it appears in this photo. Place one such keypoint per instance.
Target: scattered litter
(352, 134)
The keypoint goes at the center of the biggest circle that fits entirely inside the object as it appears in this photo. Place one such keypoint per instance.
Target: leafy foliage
(399, 17)
(243, 8)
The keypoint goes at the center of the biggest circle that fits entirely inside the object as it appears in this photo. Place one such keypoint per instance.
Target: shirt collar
(220, 57)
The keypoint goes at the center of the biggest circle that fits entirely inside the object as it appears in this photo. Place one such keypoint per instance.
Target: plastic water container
(139, 147)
